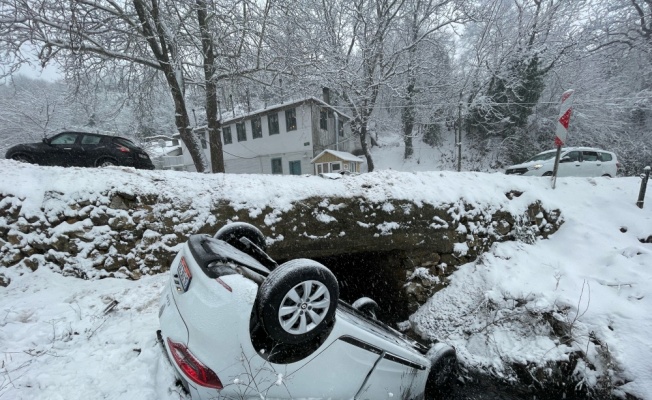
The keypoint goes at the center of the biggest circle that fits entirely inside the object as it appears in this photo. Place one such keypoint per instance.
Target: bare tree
(424, 19)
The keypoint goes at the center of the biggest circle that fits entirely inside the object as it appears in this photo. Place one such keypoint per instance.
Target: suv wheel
(442, 372)
(105, 162)
(297, 301)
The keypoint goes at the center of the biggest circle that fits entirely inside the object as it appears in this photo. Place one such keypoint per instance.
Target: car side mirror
(565, 159)
(46, 140)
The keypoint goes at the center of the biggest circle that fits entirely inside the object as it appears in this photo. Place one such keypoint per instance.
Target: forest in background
(421, 69)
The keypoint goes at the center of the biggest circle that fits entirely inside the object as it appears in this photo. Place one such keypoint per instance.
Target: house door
(295, 167)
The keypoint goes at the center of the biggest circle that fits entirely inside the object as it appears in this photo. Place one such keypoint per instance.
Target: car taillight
(123, 149)
(193, 368)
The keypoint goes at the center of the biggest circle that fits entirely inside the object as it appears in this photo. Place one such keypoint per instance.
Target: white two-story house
(281, 139)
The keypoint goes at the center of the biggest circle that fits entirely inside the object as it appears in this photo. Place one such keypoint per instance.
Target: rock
(15, 238)
(61, 243)
(121, 222)
(99, 217)
(4, 281)
(31, 263)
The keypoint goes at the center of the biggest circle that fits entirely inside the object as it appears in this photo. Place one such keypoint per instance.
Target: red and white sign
(565, 111)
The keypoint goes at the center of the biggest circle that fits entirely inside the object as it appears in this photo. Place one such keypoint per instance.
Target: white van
(574, 161)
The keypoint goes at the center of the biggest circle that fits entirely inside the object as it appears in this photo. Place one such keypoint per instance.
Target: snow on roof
(339, 154)
(284, 105)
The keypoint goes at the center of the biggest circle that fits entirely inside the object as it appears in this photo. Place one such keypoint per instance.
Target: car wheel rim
(304, 307)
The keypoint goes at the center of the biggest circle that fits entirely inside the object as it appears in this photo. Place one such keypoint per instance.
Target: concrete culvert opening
(378, 275)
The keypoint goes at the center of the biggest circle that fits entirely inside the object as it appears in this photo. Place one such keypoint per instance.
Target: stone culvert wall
(124, 235)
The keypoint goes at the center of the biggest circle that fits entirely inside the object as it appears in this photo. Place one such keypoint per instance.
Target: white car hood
(527, 164)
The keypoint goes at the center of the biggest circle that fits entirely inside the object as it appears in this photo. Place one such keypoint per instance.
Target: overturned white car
(236, 325)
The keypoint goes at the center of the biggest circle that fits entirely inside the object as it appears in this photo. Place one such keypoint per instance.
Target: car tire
(297, 301)
(20, 157)
(606, 176)
(231, 233)
(443, 371)
(547, 173)
(367, 306)
(106, 162)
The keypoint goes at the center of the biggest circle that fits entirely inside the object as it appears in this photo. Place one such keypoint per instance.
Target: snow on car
(235, 325)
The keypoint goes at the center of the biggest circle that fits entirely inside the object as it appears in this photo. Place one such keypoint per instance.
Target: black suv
(81, 149)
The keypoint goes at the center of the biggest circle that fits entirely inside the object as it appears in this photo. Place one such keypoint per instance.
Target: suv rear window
(605, 157)
(126, 143)
(91, 139)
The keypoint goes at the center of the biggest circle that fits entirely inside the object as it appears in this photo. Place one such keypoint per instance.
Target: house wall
(327, 139)
(255, 155)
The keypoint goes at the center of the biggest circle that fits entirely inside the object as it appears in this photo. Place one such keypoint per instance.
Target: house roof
(281, 106)
(339, 154)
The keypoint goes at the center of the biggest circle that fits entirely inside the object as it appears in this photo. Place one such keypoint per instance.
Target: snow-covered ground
(66, 338)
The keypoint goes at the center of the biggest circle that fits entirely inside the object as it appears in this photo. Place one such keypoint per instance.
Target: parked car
(81, 149)
(235, 325)
(574, 161)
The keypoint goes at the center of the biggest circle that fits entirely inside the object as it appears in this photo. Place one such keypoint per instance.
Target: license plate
(184, 274)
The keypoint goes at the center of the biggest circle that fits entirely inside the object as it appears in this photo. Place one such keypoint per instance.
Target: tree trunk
(362, 130)
(158, 42)
(212, 117)
(408, 121)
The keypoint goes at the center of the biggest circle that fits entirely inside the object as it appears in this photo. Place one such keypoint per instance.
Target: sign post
(561, 133)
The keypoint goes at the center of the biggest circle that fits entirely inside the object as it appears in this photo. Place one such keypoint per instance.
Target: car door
(607, 164)
(64, 150)
(91, 149)
(591, 163)
(570, 164)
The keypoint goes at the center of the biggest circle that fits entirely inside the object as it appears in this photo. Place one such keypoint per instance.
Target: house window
(340, 128)
(323, 120)
(226, 132)
(256, 128)
(336, 166)
(241, 131)
(295, 167)
(291, 119)
(322, 168)
(277, 166)
(272, 123)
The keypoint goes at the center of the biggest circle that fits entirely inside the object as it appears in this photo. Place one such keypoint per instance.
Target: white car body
(359, 359)
(574, 161)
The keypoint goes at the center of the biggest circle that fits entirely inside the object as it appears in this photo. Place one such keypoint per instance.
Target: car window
(65, 138)
(590, 155)
(543, 156)
(91, 139)
(573, 155)
(605, 157)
